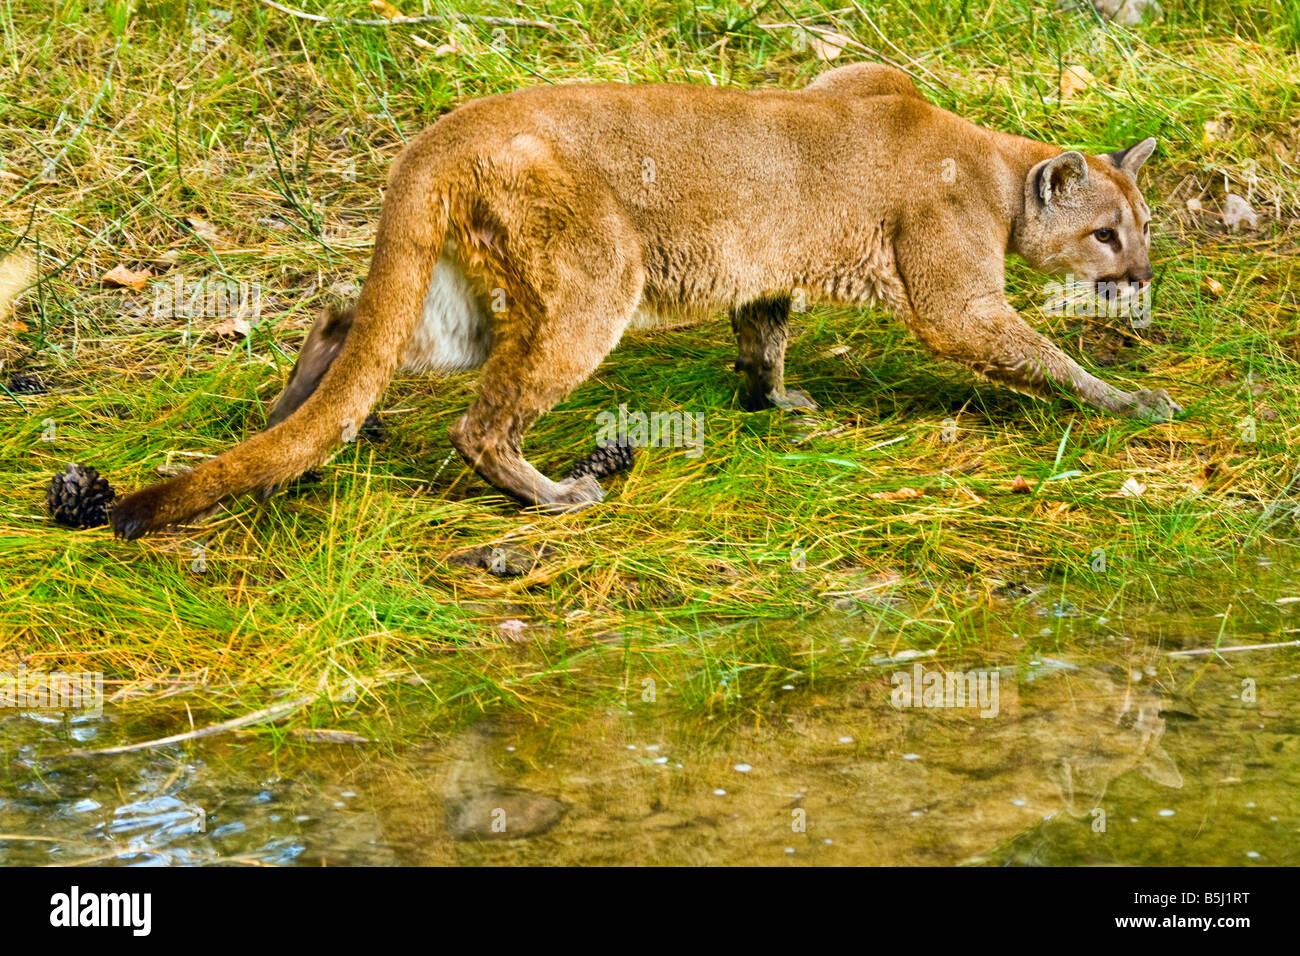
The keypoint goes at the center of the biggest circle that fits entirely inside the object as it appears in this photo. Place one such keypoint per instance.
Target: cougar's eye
(1104, 235)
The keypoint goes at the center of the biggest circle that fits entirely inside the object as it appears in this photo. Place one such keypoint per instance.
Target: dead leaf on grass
(120, 275)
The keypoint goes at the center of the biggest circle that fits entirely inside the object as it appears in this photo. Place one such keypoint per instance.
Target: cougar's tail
(412, 230)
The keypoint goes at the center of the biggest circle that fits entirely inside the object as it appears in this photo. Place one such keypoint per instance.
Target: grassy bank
(241, 143)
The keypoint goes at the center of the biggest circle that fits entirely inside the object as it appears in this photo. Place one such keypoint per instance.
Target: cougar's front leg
(761, 331)
(964, 316)
(995, 341)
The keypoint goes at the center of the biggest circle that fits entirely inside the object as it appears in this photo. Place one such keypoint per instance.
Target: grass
(239, 143)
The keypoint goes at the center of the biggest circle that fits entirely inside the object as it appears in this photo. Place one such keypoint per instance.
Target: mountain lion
(524, 233)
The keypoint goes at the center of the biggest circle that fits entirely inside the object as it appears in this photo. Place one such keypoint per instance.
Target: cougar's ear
(1130, 160)
(1055, 180)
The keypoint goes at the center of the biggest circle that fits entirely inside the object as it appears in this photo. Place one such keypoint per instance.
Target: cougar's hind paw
(792, 399)
(575, 494)
(1154, 405)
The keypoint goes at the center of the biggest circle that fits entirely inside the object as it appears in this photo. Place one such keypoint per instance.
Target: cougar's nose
(1140, 278)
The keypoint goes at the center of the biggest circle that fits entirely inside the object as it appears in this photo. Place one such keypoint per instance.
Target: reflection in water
(839, 776)
(1099, 748)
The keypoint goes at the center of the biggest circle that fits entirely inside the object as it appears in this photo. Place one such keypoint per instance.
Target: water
(1104, 749)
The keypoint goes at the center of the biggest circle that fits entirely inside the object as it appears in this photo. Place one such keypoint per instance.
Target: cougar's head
(1085, 218)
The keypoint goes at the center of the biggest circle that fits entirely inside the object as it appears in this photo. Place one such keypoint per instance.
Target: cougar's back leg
(566, 298)
(523, 379)
(761, 329)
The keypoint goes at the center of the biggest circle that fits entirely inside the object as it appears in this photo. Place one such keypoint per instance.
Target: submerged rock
(502, 815)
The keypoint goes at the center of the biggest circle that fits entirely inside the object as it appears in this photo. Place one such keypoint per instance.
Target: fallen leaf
(1020, 486)
(1133, 488)
(122, 276)
(1075, 79)
(204, 230)
(1128, 13)
(451, 46)
(1211, 471)
(1237, 212)
(900, 495)
(236, 326)
(1194, 206)
(827, 46)
(385, 9)
(512, 629)
(1213, 286)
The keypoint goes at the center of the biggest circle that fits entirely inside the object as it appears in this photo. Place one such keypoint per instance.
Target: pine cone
(25, 383)
(604, 461)
(79, 497)
(373, 429)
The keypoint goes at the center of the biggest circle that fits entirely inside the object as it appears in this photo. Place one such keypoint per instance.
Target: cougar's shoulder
(866, 79)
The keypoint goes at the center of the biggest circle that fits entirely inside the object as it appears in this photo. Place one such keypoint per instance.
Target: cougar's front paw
(1154, 405)
(575, 494)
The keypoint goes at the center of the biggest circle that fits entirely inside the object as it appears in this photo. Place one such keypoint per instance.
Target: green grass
(277, 132)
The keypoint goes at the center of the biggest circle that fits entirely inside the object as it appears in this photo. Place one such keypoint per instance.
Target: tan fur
(16, 276)
(568, 212)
